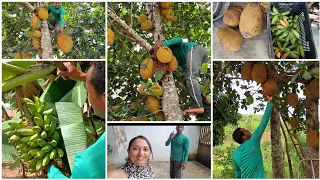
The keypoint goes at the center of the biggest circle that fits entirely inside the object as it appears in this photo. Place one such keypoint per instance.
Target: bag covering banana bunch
(37, 144)
(285, 35)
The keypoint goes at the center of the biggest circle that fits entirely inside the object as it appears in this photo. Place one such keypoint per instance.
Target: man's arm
(186, 150)
(168, 142)
(173, 41)
(55, 173)
(236, 169)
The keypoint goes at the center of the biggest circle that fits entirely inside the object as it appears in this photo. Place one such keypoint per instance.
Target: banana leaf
(6, 75)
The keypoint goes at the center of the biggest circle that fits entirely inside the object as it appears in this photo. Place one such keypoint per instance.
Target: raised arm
(170, 138)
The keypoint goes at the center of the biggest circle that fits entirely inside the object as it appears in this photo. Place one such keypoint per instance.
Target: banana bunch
(37, 144)
(285, 35)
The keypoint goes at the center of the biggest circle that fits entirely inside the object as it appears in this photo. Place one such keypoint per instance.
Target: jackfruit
(39, 51)
(35, 43)
(146, 68)
(165, 5)
(17, 55)
(64, 43)
(313, 88)
(160, 67)
(232, 16)
(313, 139)
(156, 89)
(36, 34)
(147, 26)
(110, 37)
(160, 116)
(251, 20)
(270, 86)
(264, 6)
(229, 39)
(246, 71)
(153, 104)
(167, 12)
(259, 73)
(25, 55)
(292, 99)
(142, 19)
(141, 90)
(294, 122)
(164, 54)
(173, 64)
(43, 13)
(35, 22)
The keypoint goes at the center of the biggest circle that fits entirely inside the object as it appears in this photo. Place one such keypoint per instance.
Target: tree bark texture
(312, 123)
(287, 151)
(170, 99)
(276, 146)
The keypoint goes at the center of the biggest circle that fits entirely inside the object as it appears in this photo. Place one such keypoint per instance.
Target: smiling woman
(137, 164)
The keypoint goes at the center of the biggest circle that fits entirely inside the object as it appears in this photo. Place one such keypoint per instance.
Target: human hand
(60, 30)
(46, 168)
(268, 98)
(171, 135)
(183, 165)
(72, 72)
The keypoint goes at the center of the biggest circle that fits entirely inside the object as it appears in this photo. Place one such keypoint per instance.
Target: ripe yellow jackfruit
(147, 26)
(141, 90)
(153, 104)
(39, 51)
(142, 19)
(64, 43)
(167, 12)
(43, 13)
(270, 86)
(259, 73)
(313, 138)
(173, 64)
(156, 89)
(292, 99)
(36, 34)
(160, 116)
(146, 68)
(35, 22)
(164, 54)
(25, 55)
(35, 43)
(17, 55)
(110, 37)
(246, 71)
(165, 5)
(294, 122)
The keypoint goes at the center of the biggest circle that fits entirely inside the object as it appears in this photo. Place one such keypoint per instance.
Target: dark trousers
(175, 169)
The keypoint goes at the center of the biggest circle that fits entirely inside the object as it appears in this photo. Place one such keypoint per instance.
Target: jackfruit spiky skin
(173, 64)
(270, 86)
(110, 37)
(25, 55)
(35, 43)
(313, 139)
(313, 89)
(153, 104)
(246, 71)
(64, 43)
(142, 19)
(165, 5)
(292, 99)
(160, 116)
(147, 26)
(141, 90)
(35, 22)
(36, 34)
(43, 13)
(229, 39)
(17, 55)
(259, 73)
(164, 54)
(156, 89)
(146, 68)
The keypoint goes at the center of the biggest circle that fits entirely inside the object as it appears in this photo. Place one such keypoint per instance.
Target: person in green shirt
(58, 12)
(247, 158)
(179, 152)
(190, 57)
(91, 162)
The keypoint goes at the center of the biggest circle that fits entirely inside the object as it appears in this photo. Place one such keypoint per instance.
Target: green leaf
(79, 93)
(315, 72)
(6, 75)
(158, 76)
(16, 119)
(7, 149)
(72, 129)
(16, 163)
(204, 67)
(306, 75)
(295, 76)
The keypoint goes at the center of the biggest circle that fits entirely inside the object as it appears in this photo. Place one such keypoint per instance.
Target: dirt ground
(17, 173)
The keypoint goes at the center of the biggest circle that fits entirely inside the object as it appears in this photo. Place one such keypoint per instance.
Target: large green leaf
(77, 95)
(72, 129)
(6, 75)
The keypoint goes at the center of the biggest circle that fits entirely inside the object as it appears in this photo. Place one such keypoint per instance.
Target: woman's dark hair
(140, 137)
(237, 135)
(98, 77)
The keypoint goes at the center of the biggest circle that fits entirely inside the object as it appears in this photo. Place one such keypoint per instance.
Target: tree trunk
(312, 123)
(46, 46)
(5, 115)
(287, 151)
(276, 146)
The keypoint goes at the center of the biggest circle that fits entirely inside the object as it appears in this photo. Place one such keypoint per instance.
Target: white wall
(157, 136)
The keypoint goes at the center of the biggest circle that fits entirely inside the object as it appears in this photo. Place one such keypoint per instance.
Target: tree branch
(157, 35)
(28, 6)
(222, 72)
(129, 30)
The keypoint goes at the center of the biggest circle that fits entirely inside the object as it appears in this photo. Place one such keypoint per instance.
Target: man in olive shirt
(247, 158)
(179, 152)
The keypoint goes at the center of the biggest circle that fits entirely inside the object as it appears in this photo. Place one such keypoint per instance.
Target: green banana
(27, 100)
(16, 125)
(41, 108)
(46, 120)
(35, 137)
(53, 143)
(56, 136)
(60, 152)
(14, 138)
(26, 149)
(43, 134)
(32, 108)
(26, 131)
(296, 34)
(275, 19)
(39, 164)
(37, 101)
(26, 139)
(21, 145)
(37, 129)
(48, 112)
(46, 148)
(52, 128)
(47, 127)
(33, 152)
(38, 119)
(53, 154)
(40, 154)
(10, 133)
(26, 157)
(33, 163)
(46, 159)
(32, 144)
(41, 142)
(301, 50)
